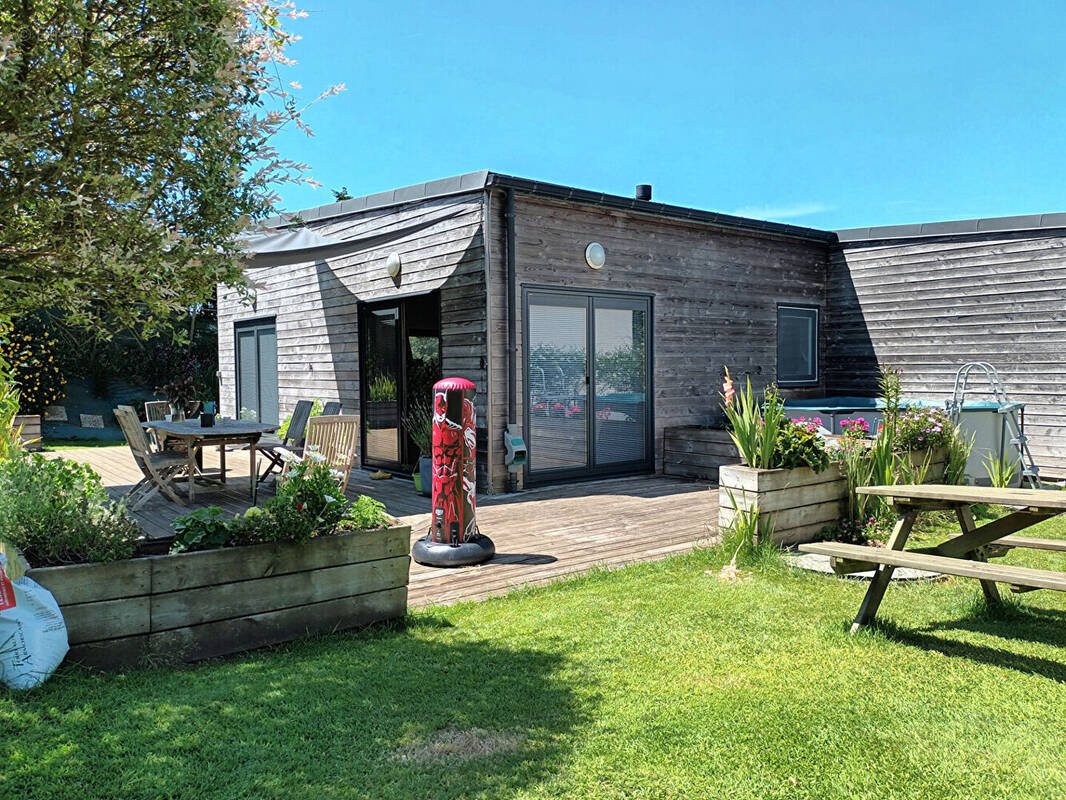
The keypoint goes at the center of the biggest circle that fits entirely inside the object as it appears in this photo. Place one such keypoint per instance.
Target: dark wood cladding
(929, 305)
(441, 247)
(715, 294)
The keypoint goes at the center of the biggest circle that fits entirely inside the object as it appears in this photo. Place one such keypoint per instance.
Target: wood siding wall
(930, 305)
(441, 246)
(715, 295)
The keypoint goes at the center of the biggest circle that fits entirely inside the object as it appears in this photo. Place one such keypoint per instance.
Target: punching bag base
(437, 554)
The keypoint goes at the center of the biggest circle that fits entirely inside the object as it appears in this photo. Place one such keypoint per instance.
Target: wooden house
(589, 323)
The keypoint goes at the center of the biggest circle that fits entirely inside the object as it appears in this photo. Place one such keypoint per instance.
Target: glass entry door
(587, 369)
(399, 363)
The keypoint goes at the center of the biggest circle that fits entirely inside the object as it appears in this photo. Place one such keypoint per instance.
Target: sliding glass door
(587, 371)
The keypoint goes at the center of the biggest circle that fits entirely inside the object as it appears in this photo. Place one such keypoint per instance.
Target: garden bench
(965, 555)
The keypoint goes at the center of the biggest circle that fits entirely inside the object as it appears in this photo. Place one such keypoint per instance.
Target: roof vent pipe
(644, 191)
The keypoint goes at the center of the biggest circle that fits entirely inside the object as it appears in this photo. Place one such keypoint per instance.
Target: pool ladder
(1009, 410)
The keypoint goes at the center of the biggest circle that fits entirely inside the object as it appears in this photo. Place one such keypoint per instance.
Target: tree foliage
(135, 143)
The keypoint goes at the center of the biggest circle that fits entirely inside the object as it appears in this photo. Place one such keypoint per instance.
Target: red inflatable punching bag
(453, 539)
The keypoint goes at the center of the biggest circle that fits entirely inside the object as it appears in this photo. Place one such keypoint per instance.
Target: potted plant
(180, 392)
(419, 423)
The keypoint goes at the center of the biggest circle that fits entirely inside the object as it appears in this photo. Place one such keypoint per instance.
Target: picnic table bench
(965, 555)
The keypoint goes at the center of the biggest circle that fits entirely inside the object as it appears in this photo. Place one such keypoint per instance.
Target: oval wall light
(392, 265)
(595, 255)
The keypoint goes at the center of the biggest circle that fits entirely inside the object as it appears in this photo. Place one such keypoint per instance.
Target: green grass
(78, 444)
(655, 681)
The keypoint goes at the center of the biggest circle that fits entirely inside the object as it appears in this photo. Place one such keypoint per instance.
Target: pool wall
(982, 420)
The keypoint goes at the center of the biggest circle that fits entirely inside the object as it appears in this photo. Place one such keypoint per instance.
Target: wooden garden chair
(336, 439)
(157, 468)
(270, 447)
(156, 411)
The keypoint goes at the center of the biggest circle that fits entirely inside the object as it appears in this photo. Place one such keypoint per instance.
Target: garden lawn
(656, 681)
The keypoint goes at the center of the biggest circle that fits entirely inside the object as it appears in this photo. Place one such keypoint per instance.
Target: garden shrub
(32, 364)
(799, 445)
(922, 429)
(58, 512)
(308, 503)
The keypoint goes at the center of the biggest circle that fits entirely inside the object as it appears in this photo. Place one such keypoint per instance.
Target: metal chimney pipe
(644, 191)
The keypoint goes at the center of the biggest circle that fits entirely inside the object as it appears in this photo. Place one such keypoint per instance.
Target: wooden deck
(540, 535)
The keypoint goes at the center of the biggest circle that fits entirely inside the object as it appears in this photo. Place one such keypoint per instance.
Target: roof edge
(484, 179)
(1025, 222)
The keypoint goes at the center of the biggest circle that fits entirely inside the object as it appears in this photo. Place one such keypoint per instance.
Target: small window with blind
(797, 345)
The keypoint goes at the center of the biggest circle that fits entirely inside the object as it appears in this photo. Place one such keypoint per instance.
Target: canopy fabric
(286, 241)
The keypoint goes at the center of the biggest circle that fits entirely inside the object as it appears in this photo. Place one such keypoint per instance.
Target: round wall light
(595, 255)
(392, 265)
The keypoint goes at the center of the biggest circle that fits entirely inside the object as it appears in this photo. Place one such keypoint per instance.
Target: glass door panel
(381, 380)
(556, 392)
(620, 380)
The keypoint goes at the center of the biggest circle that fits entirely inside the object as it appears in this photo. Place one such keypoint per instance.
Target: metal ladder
(1009, 410)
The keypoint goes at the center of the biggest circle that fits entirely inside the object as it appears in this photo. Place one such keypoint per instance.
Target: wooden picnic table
(965, 555)
(223, 433)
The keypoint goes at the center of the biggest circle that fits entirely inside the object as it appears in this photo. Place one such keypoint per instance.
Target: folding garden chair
(336, 439)
(331, 409)
(158, 469)
(270, 447)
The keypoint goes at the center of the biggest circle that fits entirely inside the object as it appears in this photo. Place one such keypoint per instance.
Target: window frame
(817, 344)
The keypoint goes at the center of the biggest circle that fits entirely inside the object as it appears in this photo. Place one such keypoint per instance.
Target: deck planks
(540, 535)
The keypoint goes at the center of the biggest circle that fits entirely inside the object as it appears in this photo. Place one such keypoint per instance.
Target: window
(797, 345)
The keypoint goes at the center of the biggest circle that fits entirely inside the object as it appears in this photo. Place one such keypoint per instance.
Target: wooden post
(883, 574)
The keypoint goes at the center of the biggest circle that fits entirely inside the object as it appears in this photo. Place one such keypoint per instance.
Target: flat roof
(1026, 222)
(484, 179)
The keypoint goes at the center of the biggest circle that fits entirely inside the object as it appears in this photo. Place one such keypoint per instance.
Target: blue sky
(832, 115)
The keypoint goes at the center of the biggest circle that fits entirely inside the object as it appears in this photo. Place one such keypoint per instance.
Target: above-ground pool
(979, 418)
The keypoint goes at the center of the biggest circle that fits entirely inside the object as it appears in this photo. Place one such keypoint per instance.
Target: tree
(135, 143)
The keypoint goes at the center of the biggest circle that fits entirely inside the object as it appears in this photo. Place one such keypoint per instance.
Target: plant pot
(417, 478)
(425, 473)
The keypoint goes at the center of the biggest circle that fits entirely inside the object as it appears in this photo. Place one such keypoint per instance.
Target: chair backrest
(336, 437)
(331, 409)
(298, 423)
(156, 410)
(130, 424)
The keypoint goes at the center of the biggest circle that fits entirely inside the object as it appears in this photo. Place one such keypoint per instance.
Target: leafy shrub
(202, 529)
(382, 390)
(365, 513)
(58, 512)
(922, 429)
(10, 436)
(308, 503)
(799, 445)
(33, 365)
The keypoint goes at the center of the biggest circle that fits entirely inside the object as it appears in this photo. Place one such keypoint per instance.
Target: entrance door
(588, 387)
(257, 370)
(399, 363)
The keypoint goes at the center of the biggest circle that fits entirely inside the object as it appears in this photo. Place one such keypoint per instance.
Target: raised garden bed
(692, 451)
(31, 430)
(800, 502)
(210, 603)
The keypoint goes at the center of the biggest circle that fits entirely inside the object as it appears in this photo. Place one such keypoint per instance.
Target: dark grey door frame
(255, 326)
(591, 470)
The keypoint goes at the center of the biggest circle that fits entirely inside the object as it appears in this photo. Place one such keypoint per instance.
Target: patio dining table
(966, 555)
(223, 433)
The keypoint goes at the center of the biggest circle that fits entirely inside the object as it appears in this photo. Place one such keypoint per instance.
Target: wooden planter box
(694, 452)
(31, 430)
(800, 502)
(215, 602)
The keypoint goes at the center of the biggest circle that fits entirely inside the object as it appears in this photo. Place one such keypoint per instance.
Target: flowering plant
(810, 425)
(922, 429)
(799, 445)
(857, 428)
